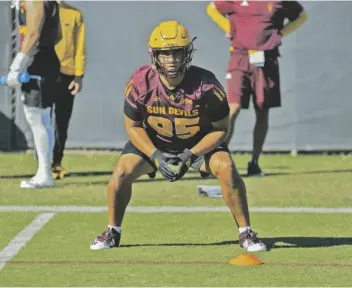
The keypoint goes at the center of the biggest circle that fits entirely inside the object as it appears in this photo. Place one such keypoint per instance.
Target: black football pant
(63, 101)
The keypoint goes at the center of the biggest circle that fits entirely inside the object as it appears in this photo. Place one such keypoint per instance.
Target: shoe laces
(250, 236)
(105, 236)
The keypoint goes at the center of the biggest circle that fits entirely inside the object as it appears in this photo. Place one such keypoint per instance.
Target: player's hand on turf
(159, 160)
(184, 164)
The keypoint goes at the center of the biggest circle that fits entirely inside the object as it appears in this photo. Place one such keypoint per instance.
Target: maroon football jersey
(180, 118)
(256, 26)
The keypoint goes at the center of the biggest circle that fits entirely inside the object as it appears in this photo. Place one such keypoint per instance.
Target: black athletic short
(39, 93)
(196, 163)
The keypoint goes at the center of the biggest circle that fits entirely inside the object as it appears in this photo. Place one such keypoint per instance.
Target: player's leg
(259, 135)
(219, 163)
(63, 110)
(267, 95)
(131, 165)
(238, 94)
(47, 103)
(37, 107)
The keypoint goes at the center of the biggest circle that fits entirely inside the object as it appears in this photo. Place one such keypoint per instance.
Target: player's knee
(225, 170)
(122, 174)
(227, 174)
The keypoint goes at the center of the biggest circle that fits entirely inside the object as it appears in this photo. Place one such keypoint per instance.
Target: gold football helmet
(168, 36)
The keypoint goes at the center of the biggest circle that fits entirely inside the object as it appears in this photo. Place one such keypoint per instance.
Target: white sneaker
(34, 183)
(250, 242)
(108, 239)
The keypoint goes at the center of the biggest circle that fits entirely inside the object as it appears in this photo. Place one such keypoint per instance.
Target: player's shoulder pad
(203, 75)
(209, 82)
(142, 80)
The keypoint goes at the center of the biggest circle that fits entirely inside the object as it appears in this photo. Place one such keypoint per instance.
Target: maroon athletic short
(244, 80)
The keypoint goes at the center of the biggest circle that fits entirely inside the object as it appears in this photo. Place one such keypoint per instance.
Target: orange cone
(245, 260)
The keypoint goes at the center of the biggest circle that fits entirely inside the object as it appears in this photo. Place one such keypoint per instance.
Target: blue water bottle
(23, 77)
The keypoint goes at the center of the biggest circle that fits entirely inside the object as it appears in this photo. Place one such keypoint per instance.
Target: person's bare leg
(234, 112)
(259, 135)
(129, 168)
(260, 132)
(232, 186)
(233, 189)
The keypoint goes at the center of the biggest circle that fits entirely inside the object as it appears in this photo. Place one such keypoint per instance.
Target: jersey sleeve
(292, 9)
(224, 7)
(131, 109)
(217, 107)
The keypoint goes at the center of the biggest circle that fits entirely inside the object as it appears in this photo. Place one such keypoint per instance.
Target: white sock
(34, 117)
(116, 228)
(243, 229)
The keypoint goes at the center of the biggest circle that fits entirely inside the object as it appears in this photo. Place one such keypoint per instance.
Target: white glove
(15, 4)
(12, 79)
(20, 63)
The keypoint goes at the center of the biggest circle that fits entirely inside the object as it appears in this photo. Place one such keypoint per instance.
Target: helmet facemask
(182, 58)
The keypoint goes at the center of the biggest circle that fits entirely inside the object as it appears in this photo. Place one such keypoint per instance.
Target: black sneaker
(253, 169)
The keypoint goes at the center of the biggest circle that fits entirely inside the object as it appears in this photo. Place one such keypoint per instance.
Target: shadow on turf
(306, 242)
(272, 243)
(104, 173)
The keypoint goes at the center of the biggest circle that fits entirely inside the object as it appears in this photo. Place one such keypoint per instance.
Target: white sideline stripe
(23, 237)
(169, 209)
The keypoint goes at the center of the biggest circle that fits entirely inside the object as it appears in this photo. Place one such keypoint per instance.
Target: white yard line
(170, 209)
(23, 237)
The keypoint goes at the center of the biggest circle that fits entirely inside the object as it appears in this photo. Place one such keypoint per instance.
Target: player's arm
(219, 18)
(138, 136)
(296, 15)
(213, 139)
(134, 121)
(34, 23)
(218, 113)
(80, 49)
(140, 139)
(80, 56)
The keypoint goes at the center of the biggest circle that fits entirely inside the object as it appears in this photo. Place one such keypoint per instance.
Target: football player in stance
(177, 114)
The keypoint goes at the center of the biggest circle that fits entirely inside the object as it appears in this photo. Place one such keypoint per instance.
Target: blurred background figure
(39, 31)
(71, 53)
(255, 29)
